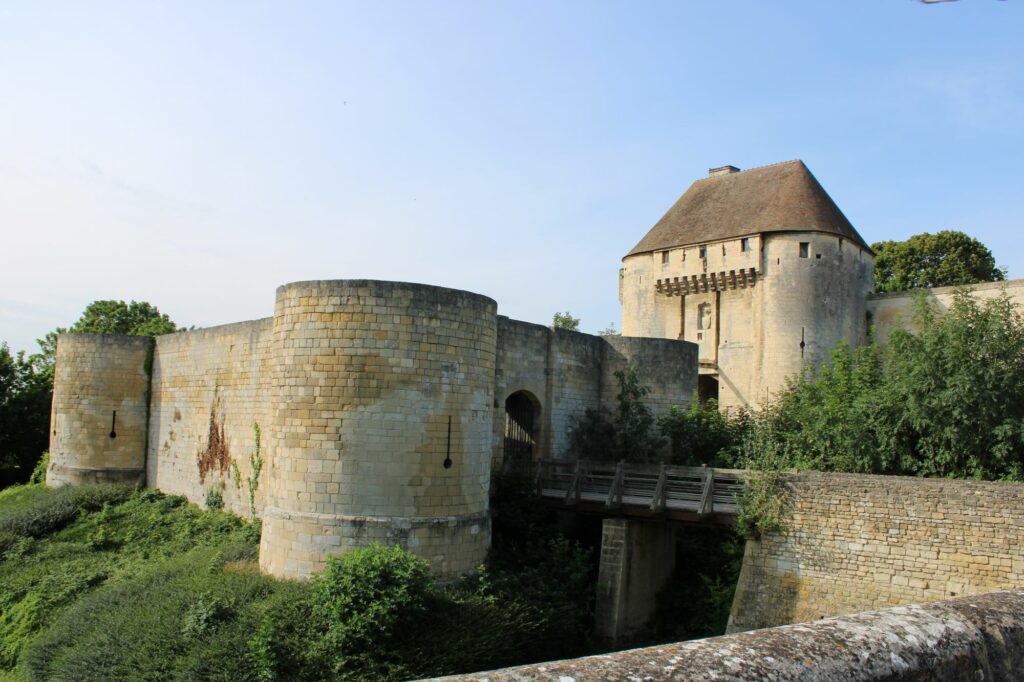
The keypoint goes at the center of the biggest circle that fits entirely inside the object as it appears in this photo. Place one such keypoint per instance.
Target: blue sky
(197, 155)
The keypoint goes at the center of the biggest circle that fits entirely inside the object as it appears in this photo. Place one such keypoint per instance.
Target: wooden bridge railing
(654, 488)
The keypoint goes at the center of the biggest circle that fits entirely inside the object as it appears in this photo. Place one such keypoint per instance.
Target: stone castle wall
(852, 543)
(896, 310)
(567, 373)
(957, 640)
(218, 378)
(352, 384)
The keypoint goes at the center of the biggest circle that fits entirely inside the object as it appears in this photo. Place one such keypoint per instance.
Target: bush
(702, 434)
(624, 436)
(115, 533)
(365, 595)
(38, 511)
(214, 499)
(39, 473)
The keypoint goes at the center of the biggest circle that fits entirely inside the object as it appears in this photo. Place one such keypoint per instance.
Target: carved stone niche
(704, 316)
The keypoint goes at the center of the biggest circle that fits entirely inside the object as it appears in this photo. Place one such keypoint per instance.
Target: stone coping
(968, 638)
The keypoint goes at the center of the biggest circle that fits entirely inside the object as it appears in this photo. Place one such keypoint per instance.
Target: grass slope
(105, 582)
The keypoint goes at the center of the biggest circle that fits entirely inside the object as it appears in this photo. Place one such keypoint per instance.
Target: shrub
(214, 499)
(39, 473)
(702, 434)
(946, 401)
(363, 596)
(626, 435)
(35, 511)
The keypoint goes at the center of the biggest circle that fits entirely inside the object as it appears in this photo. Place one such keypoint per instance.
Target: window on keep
(805, 249)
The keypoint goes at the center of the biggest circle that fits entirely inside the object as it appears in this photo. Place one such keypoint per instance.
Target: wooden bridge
(690, 494)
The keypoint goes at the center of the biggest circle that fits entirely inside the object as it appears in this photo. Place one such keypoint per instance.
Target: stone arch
(522, 428)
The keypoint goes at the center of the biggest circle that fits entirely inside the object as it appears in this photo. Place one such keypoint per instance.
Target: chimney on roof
(722, 170)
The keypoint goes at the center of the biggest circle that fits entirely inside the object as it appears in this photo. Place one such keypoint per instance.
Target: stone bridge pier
(638, 558)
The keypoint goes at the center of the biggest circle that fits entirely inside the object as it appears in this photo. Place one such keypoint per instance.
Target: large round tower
(383, 424)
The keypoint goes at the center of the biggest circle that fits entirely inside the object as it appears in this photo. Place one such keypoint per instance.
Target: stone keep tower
(761, 269)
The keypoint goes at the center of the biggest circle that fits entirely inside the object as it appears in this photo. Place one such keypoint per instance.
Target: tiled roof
(784, 197)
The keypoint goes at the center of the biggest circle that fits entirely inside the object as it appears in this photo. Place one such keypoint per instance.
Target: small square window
(745, 244)
(664, 257)
(805, 249)
(703, 251)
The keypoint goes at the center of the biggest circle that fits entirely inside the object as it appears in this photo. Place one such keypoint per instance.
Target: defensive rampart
(362, 411)
(851, 543)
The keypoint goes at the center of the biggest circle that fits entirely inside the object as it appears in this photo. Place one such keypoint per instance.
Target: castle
(366, 411)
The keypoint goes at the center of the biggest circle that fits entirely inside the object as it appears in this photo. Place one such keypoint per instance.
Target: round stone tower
(383, 424)
(99, 414)
(814, 295)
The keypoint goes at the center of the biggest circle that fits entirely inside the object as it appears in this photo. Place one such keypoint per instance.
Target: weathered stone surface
(970, 638)
(853, 543)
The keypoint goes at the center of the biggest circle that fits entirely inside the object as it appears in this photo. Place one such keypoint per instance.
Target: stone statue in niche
(704, 316)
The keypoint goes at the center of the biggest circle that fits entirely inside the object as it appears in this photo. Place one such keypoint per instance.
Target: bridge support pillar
(637, 559)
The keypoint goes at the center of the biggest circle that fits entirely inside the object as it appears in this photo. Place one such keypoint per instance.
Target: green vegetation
(106, 582)
(946, 258)
(947, 401)
(252, 481)
(25, 396)
(697, 601)
(565, 321)
(137, 318)
(700, 434)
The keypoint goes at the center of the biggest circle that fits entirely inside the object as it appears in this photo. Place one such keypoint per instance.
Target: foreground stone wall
(965, 639)
(852, 543)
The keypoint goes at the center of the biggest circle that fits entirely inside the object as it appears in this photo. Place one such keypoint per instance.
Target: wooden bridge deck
(692, 494)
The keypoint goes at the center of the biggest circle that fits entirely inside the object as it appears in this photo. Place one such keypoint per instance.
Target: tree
(137, 318)
(626, 435)
(945, 258)
(24, 416)
(566, 321)
(610, 330)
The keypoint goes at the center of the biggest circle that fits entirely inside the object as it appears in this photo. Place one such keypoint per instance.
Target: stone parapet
(968, 639)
